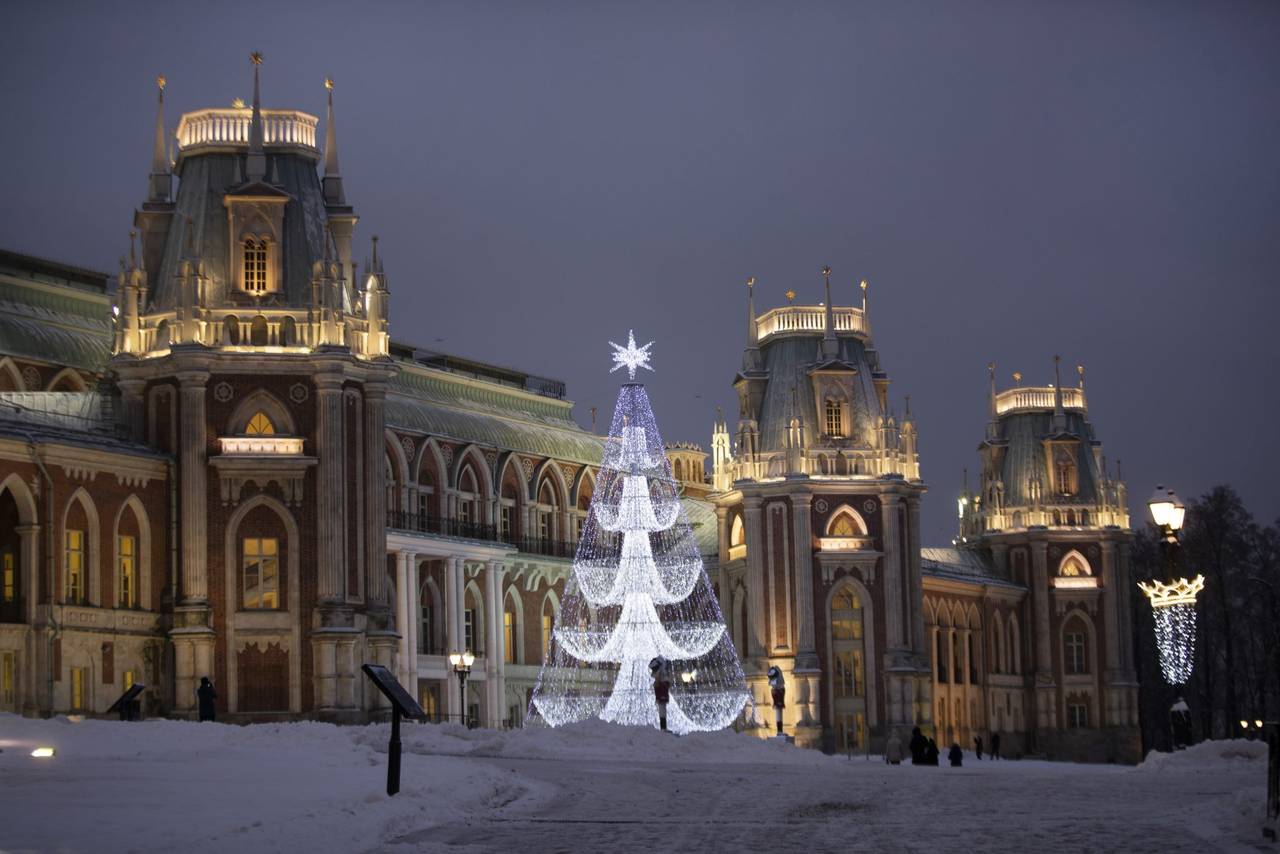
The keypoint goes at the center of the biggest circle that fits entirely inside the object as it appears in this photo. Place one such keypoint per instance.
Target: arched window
(260, 425)
(10, 559)
(1064, 469)
(846, 523)
(1075, 650)
(255, 265)
(737, 534)
(468, 492)
(162, 335)
(231, 330)
(259, 335)
(679, 470)
(288, 332)
(1074, 565)
(548, 620)
(834, 420)
(510, 635)
(849, 691)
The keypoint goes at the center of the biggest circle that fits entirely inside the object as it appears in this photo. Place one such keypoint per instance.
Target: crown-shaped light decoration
(1173, 607)
(1180, 592)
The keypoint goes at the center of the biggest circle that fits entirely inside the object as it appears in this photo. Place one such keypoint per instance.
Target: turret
(721, 453)
(376, 302)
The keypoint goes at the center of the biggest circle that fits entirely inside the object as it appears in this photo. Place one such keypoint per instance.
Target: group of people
(924, 751)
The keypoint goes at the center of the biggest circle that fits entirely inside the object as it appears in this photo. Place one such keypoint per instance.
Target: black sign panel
(394, 691)
(127, 697)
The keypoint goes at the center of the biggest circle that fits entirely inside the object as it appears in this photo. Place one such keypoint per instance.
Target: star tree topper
(631, 357)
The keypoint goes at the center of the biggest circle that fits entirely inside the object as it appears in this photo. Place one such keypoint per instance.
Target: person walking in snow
(918, 745)
(660, 669)
(206, 695)
(995, 745)
(955, 755)
(893, 750)
(931, 754)
(977, 746)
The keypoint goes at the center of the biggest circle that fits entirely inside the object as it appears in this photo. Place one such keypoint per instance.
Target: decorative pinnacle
(991, 369)
(237, 103)
(631, 357)
(160, 81)
(1017, 377)
(863, 284)
(790, 295)
(751, 282)
(256, 57)
(328, 83)
(826, 272)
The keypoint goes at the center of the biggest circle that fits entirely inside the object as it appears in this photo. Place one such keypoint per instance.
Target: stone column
(915, 575)
(375, 502)
(403, 559)
(132, 396)
(1046, 691)
(492, 616)
(453, 627)
(496, 653)
(722, 533)
(892, 573)
(755, 577)
(329, 488)
(192, 635)
(806, 651)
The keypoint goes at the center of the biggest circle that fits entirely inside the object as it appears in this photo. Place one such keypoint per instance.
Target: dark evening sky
(1015, 179)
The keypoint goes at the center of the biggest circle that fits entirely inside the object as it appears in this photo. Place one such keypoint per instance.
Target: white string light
(638, 590)
(1173, 606)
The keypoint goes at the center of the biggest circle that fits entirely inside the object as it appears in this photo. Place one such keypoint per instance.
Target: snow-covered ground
(308, 787)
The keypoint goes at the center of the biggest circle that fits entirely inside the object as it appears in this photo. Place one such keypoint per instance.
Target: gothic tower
(818, 511)
(249, 348)
(1048, 515)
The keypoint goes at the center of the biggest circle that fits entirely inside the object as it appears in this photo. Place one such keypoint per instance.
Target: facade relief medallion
(821, 505)
(869, 505)
(406, 442)
(298, 392)
(31, 378)
(223, 392)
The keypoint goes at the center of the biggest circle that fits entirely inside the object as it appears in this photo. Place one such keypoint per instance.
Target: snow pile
(1206, 754)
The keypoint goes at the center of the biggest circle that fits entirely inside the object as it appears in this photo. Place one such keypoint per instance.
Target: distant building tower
(819, 518)
(689, 467)
(1048, 516)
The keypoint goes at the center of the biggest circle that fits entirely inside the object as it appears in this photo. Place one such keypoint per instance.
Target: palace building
(223, 464)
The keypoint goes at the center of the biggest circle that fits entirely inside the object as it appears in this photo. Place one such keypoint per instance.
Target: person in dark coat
(977, 746)
(206, 695)
(918, 747)
(955, 755)
(931, 753)
(995, 745)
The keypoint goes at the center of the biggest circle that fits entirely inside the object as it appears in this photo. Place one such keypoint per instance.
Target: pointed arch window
(834, 420)
(255, 265)
(260, 425)
(842, 526)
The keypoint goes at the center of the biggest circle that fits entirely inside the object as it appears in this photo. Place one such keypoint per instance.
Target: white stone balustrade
(229, 127)
(809, 318)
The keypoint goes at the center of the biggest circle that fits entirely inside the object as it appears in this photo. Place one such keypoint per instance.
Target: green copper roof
(54, 324)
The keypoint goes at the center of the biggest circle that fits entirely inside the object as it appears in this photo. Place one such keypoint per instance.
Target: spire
(256, 163)
(333, 193)
(751, 356)
(830, 345)
(992, 421)
(866, 322)
(161, 183)
(1059, 413)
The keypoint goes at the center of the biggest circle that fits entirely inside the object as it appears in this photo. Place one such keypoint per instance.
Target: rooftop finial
(333, 193)
(863, 285)
(991, 401)
(1017, 378)
(1080, 371)
(1059, 413)
(161, 186)
(256, 163)
(133, 256)
(751, 355)
(830, 346)
(375, 253)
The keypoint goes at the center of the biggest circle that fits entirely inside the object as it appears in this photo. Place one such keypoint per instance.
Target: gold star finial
(863, 284)
(826, 272)
(1017, 377)
(328, 83)
(791, 296)
(256, 57)
(751, 281)
(160, 81)
(237, 103)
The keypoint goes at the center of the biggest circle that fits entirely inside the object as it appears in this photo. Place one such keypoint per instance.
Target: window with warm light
(1065, 474)
(843, 526)
(509, 637)
(8, 576)
(1074, 652)
(127, 569)
(546, 635)
(261, 573)
(74, 545)
(255, 265)
(835, 421)
(7, 679)
(260, 425)
(129, 679)
(78, 683)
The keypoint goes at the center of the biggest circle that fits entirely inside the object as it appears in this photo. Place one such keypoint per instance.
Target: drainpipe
(55, 630)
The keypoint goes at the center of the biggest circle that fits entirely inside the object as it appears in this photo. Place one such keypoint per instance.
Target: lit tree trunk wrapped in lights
(638, 591)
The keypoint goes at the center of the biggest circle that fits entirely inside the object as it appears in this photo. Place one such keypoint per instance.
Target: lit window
(1077, 716)
(260, 425)
(1074, 651)
(1065, 473)
(129, 679)
(77, 689)
(8, 577)
(843, 526)
(7, 695)
(508, 637)
(835, 422)
(127, 567)
(255, 265)
(546, 635)
(261, 573)
(75, 565)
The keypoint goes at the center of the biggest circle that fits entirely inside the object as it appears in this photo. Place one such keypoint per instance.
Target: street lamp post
(462, 662)
(1173, 598)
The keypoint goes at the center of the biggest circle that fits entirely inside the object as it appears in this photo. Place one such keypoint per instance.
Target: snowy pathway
(165, 786)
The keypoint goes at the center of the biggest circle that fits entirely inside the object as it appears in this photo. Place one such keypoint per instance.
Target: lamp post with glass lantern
(1173, 597)
(462, 662)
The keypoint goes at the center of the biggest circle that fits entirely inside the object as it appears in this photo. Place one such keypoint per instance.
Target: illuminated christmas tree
(638, 591)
